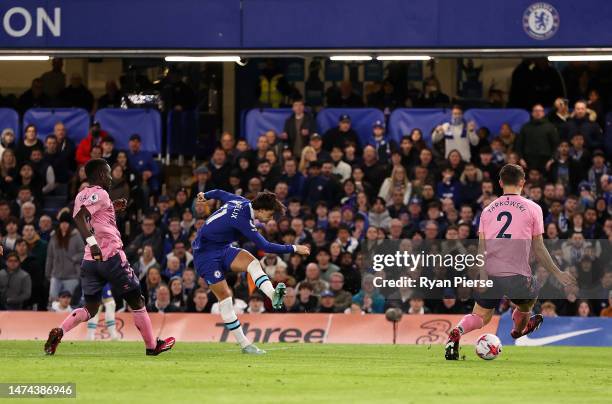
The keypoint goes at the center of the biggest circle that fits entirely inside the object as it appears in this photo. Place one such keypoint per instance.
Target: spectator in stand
(15, 284)
(52, 158)
(142, 164)
(76, 95)
(43, 170)
(341, 135)
(7, 140)
(298, 127)
(368, 298)
(537, 140)
(345, 97)
(150, 283)
(306, 301)
(200, 302)
(37, 257)
(8, 173)
(28, 142)
(432, 95)
(559, 116)
(607, 312)
(35, 97)
(65, 146)
(256, 304)
(109, 153)
(112, 98)
(162, 302)
(201, 183)
(62, 304)
(177, 298)
(28, 178)
(584, 121)
(54, 81)
(342, 298)
(145, 261)
(94, 138)
(63, 260)
(177, 95)
(383, 144)
(219, 169)
(457, 134)
(398, 181)
(150, 235)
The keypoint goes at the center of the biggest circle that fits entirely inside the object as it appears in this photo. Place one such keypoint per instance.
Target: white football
(488, 347)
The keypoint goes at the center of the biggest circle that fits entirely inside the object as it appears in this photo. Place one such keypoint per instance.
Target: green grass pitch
(107, 372)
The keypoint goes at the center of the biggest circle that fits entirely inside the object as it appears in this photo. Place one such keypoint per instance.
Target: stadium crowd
(341, 196)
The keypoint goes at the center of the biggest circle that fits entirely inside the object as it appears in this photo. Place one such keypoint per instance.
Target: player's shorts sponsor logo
(541, 21)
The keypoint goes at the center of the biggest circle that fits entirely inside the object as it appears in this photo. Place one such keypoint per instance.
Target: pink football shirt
(509, 223)
(102, 223)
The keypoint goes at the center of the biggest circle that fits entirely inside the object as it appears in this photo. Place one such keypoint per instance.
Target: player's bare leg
(523, 323)
(479, 318)
(226, 309)
(75, 318)
(245, 262)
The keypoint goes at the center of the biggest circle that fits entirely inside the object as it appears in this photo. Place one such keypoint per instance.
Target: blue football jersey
(226, 224)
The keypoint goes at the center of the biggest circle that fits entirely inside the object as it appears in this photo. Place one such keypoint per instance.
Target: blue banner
(132, 24)
(260, 120)
(122, 123)
(302, 24)
(571, 331)
(76, 121)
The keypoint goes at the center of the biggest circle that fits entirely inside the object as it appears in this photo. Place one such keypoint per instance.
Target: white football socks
(226, 309)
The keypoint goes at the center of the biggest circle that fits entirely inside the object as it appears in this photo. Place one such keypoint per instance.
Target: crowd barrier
(316, 328)
(306, 328)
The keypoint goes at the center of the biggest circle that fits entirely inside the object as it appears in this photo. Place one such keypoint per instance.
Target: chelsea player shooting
(213, 255)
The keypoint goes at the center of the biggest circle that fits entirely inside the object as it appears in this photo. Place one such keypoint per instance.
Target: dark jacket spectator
(537, 140)
(298, 128)
(15, 285)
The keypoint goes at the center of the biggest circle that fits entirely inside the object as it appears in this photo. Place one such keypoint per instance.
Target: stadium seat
(182, 129)
(76, 121)
(9, 118)
(404, 120)
(260, 120)
(121, 123)
(361, 120)
(493, 118)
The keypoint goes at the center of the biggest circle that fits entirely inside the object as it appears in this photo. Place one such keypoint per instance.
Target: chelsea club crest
(541, 21)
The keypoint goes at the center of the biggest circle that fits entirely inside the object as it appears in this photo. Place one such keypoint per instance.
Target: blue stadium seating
(403, 120)
(121, 123)
(9, 118)
(494, 118)
(76, 121)
(362, 120)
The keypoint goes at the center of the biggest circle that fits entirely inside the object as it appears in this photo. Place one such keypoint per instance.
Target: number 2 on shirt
(502, 231)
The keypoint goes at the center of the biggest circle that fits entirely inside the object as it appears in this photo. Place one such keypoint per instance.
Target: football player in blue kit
(214, 255)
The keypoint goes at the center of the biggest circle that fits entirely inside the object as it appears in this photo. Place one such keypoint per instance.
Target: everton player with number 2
(510, 227)
(104, 260)
(213, 255)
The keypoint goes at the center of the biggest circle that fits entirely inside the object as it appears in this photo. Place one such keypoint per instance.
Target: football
(488, 347)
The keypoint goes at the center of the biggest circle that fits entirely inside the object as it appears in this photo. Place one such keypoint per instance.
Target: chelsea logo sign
(541, 21)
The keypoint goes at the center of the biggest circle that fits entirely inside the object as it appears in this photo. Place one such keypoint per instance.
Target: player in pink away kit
(104, 261)
(510, 227)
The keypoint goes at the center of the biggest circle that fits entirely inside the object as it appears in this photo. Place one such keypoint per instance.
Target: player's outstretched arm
(544, 258)
(219, 194)
(80, 220)
(248, 229)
